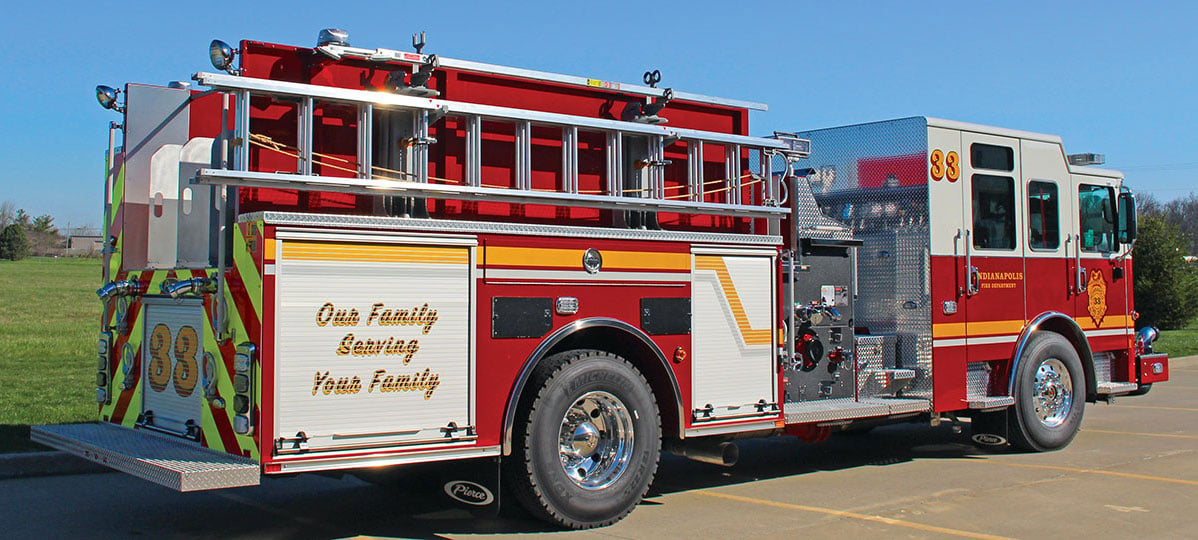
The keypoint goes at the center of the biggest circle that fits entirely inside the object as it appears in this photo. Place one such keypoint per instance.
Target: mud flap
(989, 430)
(472, 485)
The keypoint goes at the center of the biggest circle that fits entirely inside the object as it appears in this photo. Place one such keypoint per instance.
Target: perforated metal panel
(872, 178)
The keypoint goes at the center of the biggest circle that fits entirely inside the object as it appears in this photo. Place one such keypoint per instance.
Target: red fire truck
(341, 258)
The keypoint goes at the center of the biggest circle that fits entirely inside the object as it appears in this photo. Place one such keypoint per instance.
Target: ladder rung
(448, 191)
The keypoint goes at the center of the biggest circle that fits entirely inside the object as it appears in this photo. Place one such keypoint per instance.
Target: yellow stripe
(118, 376)
(207, 419)
(1096, 471)
(854, 515)
(1015, 326)
(572, 258)
(750, 335)
(225, 384)
(324, 251)
(248, 270)
(1108, 322)
(948, 330)
(118, 195)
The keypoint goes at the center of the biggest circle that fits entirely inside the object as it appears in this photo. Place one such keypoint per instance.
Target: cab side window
(1043, 219)
(1096, 212)
(993, 212)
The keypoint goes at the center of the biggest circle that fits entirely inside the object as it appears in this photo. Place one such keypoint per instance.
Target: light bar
(1086, 159)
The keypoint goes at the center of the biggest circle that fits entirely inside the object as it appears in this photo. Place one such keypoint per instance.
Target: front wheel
(1050, 394)
(588, 440)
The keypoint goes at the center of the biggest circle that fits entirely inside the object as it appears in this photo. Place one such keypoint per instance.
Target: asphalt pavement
(1131, 472)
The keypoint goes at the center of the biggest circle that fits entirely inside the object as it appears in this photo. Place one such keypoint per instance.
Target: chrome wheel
(1053, 392)
(595, 440)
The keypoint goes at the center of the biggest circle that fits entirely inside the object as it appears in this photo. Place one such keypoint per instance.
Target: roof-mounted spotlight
(331, 41)
(796, 148)
(416, 83)
(106, 95)
(646, 113)
(333, 36)
(221, 54)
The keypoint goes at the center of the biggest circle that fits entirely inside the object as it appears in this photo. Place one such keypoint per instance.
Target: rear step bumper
(169, 461)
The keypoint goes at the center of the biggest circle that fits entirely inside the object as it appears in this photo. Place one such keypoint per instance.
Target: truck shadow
(421, 513)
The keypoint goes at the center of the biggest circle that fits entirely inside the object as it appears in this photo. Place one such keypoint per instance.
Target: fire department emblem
(1097, 291)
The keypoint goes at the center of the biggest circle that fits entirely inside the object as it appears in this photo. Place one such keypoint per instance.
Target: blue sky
(1115, 78)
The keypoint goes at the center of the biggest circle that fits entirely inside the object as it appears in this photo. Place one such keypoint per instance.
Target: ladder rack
(646, 192)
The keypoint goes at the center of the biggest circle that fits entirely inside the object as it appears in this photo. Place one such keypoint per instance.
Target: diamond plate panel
(869, 363)
(977, 381)
(1102, 367)
(162, 459)
(842, 409)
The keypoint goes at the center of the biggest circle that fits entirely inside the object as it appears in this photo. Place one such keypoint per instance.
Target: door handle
(1079, 277)
(972, 277)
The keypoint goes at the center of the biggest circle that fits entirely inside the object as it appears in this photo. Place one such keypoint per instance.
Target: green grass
(49, 320)
(1178, 343)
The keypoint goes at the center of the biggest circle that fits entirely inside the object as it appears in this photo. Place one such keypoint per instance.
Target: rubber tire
(534, 472)
(1026, 430)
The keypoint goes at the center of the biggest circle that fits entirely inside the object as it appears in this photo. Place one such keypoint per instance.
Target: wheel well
(645, 357)
(1069, 330)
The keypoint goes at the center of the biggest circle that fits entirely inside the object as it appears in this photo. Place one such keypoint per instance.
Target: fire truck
(338, 259)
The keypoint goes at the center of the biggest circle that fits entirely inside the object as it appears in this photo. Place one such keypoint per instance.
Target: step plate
(162, 459)
(1117, 387)
(991, 402)
(848, 408)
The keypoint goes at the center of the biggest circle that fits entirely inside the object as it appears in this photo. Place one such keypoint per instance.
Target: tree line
(1165, 274)
(22, 235)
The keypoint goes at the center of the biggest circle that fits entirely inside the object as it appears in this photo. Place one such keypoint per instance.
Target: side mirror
(1127, 217)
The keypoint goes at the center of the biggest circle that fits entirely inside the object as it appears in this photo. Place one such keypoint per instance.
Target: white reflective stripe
(581, 275)
(268, 269)
(1110, 332)
(989, 340)
(948, 342)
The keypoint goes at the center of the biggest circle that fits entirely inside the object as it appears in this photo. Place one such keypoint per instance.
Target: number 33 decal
(945, 165)
(185, 371)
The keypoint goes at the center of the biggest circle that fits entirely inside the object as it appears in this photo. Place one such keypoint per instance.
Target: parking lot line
(1138, 434)
(853, 515)
(1093, 471)
(1122, 406)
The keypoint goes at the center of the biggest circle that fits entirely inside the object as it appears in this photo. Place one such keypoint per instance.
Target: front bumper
(1153, 368)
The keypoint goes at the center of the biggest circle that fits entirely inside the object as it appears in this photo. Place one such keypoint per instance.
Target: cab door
(1048, 206)
(1099, 279)
(992, 189)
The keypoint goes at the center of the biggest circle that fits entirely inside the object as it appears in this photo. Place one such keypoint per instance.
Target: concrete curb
(32, 464)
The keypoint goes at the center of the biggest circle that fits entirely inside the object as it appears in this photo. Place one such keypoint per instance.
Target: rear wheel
(587, 442)
(1050, 394)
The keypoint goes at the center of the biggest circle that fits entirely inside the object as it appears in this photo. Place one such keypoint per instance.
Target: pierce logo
(468, 493)
(989, 439)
